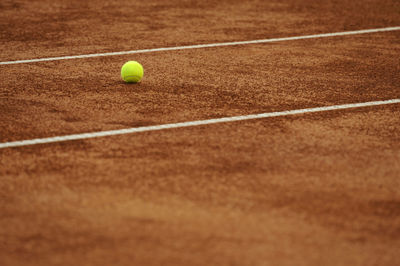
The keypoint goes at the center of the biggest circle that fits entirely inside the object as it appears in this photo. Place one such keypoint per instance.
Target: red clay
(316, 189)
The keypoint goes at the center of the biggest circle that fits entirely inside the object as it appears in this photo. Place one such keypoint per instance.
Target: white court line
(323, 35)
(191, 123)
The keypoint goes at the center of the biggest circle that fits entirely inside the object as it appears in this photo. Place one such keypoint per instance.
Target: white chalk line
(313, 36)
(191, 123)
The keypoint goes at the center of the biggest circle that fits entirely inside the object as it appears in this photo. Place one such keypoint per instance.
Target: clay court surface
(308, 189)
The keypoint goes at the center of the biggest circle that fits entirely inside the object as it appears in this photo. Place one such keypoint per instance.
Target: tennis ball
(132, 72)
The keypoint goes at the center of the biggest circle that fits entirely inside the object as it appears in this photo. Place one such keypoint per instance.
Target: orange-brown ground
(315, 189)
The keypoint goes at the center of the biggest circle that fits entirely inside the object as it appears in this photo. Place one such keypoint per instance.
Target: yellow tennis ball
(132, 72)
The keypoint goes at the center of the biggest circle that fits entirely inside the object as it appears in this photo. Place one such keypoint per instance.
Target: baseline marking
(323, 35)
(191, 123)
